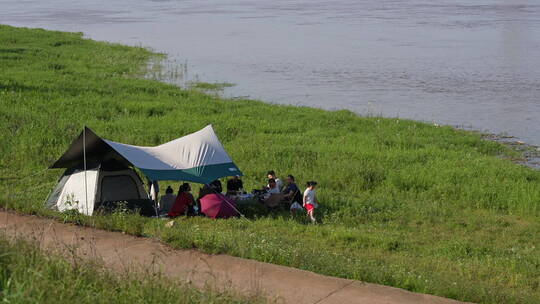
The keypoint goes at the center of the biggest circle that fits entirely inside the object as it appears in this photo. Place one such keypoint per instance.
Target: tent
(198, 157)
(100, 186)
(216, 205)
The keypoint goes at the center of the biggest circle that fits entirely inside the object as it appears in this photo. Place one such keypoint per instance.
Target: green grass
(28, 275)
(407, 204)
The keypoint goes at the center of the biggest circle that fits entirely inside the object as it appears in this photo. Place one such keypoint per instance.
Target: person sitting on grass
(184, 201)
(166, 201)
(211, 188)
(234, 185)
(272, 175)
(204, 190)
(273, 197)
(273, 187)
(310, 200)
(216, 186)
(290, 188)
(292, 195)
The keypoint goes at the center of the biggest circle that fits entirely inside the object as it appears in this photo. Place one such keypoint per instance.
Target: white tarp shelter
(198, 157)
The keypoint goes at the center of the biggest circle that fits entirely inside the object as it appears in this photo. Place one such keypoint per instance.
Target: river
(473, 64)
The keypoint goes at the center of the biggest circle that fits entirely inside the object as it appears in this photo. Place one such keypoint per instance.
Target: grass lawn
(426, 208)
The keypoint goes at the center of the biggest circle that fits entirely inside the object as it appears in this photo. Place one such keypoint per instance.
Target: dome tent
(198, 157)
(101, 186)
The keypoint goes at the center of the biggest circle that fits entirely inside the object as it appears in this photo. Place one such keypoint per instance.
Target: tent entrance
(118, 187)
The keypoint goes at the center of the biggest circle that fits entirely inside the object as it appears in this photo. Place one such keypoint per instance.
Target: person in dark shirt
(291, 188)
(213, 187)
(234, 185)
(292, 194)
(216, 186)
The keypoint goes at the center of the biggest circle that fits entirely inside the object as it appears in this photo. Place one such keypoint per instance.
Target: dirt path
(122, 252)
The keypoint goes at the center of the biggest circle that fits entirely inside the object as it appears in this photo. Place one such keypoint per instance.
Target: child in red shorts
(310, 200)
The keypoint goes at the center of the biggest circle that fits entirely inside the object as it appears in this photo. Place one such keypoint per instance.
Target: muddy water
(471, 63)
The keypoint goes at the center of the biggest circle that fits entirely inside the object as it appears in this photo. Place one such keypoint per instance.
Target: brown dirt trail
(121, 252)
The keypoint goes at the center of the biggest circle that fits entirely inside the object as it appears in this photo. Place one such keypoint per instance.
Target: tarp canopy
(198, 157)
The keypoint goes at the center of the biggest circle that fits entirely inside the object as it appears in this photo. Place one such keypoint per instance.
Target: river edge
(164, 69)
(530, 153)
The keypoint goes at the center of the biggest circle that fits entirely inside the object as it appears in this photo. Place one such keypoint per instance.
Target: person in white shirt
(166, 201)
(272, 175)
(310, 200)
(273, 197)
(272, 188)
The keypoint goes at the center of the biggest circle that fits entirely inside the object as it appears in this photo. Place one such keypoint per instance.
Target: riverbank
(426, 208)
(529, 154)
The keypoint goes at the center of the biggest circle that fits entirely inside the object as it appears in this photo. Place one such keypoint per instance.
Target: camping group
(101, 174)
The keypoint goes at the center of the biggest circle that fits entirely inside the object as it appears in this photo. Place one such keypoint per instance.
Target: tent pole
(84, 164)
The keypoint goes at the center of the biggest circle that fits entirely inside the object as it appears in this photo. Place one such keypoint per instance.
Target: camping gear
(108, 186)
(216, 205)
(274, 200)
(296, 206)
(198, 157)
(295, 201)
(245, 198)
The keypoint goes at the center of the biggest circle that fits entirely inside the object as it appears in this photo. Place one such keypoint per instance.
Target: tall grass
(408, 204)
(28, 275)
